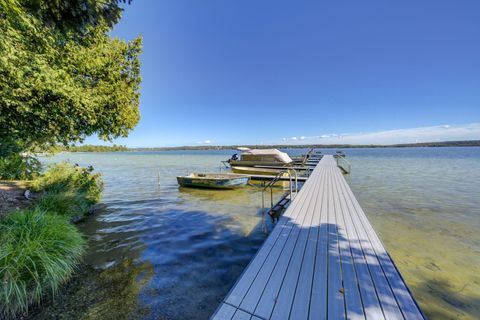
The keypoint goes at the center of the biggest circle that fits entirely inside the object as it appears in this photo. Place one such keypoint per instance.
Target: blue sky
(262, 71)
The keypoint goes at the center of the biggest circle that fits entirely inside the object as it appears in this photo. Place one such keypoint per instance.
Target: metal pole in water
(271, 198)
(158, 176)
(264, 226)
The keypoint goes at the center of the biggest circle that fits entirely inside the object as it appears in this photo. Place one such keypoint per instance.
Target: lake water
(157, 251)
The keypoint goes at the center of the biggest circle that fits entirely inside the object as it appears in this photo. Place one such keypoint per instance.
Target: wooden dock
(323, 260)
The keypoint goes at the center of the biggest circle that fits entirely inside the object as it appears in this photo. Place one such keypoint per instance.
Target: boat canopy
(266, 154)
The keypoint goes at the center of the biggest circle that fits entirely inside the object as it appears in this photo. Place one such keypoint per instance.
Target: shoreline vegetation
(122, 148)
(40, 246)
(53, 93)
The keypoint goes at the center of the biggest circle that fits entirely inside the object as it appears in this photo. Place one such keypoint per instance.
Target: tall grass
(63, 176)
(68, 190)
(68, 204)
(38, 252)
(39, 248)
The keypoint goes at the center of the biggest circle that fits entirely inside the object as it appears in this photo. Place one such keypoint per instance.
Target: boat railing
(226, 163)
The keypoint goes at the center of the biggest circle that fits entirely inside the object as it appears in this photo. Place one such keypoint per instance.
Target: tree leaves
(75, 15)
(59, 87)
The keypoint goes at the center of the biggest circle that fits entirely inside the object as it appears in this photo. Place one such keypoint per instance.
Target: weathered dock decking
(323, 260)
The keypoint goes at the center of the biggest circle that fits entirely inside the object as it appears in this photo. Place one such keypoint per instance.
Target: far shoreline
(116, 148)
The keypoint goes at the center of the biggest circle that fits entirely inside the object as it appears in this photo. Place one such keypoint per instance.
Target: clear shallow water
(425, 205)
(160, 252)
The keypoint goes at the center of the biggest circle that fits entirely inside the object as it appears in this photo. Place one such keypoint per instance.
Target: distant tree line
(467, 143)
(93, 148)
(123, 148)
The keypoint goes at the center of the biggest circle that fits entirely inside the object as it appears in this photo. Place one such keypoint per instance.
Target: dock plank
(371, 303)
(318, 298)
(336, 303)
(270, 296)
(280, 233)
(353, 301)
(405, 300)
(225, 312)
(285, 297)
(384, 292)
(276, 258)
(301, 302)
(241, 315)
(276, 240)
(322, 260)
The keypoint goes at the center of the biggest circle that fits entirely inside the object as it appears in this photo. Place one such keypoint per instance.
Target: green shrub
(64, 177)
(38, 252)
(64, 203)
(19, 167)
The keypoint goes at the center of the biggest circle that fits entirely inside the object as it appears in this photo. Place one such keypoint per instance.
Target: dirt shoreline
(12, 196)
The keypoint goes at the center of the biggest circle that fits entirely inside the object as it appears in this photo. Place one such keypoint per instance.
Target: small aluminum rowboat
(213, 180)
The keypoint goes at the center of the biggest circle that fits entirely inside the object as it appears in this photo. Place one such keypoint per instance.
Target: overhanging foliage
(58, 85)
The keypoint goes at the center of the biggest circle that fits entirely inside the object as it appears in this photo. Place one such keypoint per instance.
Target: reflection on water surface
(163, 252)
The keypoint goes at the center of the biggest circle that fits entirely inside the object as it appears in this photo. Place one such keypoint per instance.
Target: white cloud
(204, 142)
(411, 135)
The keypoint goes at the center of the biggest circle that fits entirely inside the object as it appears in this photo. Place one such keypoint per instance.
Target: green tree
(62, 77)
(75, 15)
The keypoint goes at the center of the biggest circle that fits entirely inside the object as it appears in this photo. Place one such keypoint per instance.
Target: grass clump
(38, 252)
(68, 189)
(40, 247)
(64, 203)
(63, 176)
